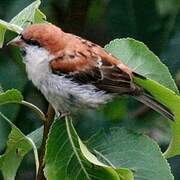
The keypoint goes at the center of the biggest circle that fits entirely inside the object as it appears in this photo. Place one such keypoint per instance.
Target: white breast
(37, 62)
(61, 92)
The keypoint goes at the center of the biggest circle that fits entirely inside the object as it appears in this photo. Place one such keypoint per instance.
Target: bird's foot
(64, 114)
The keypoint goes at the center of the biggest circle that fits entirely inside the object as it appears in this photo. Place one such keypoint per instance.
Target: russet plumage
(74, 73)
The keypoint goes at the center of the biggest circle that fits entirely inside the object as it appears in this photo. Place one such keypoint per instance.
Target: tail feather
(155, 105)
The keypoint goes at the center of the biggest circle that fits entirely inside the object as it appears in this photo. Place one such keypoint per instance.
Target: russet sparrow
(73, 73)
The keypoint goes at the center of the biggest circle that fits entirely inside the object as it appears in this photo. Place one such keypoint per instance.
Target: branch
(47, 125)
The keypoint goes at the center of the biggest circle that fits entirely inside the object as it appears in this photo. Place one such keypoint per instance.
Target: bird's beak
(17, 42)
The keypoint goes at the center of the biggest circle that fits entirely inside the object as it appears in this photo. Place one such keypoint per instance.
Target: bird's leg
(64, 114)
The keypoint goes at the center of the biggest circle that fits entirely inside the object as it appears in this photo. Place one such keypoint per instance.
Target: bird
(75, 74)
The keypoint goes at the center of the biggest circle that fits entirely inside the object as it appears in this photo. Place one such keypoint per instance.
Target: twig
(47, 125)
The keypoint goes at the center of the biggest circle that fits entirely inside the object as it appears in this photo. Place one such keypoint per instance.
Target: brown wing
(88, 63)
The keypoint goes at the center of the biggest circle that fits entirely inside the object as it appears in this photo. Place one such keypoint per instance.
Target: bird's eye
(31, 42)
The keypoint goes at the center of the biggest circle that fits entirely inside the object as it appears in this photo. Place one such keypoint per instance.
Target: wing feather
(88, 63)
(89, 67)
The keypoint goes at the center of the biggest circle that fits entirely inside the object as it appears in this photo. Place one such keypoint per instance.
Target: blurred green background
(155, 22)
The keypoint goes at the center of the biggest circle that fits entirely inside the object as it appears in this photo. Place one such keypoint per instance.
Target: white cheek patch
(36, 55)
(37, 62)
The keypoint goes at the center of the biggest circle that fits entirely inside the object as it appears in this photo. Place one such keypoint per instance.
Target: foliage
(148, 65)
(113, 154)
(18, 146)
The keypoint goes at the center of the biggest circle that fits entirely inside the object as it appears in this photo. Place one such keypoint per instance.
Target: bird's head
(43, 35)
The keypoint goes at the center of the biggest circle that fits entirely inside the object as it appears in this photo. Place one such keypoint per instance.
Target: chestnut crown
(43, 35)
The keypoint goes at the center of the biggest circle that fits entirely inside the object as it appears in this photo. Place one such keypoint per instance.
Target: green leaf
(137, 56)
(4, 26)
(172, 101)
(10, 96)
(30, 14)
(37, 136)
(123, 148)
(14, 96)
(27, 15)
(123, 172)
(39, 17)
(10, 26)
(18, 146)
(68, 158)
(2, 33)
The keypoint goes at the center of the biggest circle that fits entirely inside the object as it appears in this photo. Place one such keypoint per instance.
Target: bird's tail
(155, 105)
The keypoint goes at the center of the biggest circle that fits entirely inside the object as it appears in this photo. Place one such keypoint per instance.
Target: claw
(64, 114)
